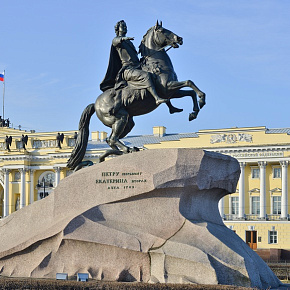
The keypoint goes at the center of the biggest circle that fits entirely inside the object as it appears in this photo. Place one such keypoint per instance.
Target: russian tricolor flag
(2, 77)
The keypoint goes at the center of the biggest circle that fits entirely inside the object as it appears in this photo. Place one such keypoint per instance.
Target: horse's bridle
(161, 48)
(170, 43)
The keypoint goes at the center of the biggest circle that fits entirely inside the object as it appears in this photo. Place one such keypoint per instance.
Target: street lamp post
(39, 186)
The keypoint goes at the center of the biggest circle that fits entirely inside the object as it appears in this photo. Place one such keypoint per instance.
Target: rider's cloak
(114, 67)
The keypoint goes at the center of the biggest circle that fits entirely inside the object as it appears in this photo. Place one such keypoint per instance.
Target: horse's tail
(79, 150)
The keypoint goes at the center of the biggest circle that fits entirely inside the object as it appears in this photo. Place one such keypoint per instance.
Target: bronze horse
(116, 108)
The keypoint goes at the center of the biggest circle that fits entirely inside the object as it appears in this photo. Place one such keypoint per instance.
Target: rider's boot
(158, 100)
(173, 109)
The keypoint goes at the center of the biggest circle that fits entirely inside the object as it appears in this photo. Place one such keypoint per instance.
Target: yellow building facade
(258, 211)
(31, 173)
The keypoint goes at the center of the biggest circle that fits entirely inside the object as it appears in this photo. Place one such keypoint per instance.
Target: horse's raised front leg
(183, 93)
(175, 85)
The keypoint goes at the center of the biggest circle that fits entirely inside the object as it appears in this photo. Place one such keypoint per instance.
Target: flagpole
(3, 94)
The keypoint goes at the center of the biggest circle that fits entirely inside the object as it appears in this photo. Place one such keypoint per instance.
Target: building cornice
(250, 154)
(16, 157)
(254, 148)
(232, 130)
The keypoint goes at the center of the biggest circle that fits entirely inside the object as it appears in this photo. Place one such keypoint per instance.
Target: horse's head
(164, 37)
(158, 37)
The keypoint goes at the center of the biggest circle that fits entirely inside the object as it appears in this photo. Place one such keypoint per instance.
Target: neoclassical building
(258, 211)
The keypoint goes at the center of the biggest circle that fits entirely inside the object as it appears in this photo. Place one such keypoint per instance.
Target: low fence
(281, 269)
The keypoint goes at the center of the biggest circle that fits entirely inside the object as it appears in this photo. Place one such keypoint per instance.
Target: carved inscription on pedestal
(121, 180)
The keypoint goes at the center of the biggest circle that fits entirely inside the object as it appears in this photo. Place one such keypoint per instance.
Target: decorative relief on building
(44, 144)
(245, 138)
(231, 138)
(218, 138)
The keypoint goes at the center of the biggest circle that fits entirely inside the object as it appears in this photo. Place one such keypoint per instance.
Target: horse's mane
(142, 46)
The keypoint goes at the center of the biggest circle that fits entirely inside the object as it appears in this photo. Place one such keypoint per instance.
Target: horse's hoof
(192, 116)
(133, 149)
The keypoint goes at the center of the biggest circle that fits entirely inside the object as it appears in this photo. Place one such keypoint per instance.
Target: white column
(22, 188)
(221, 207)
(284, 197)
(230, 206)
(6, 191)
(31, 186)
(262, 165)
(57, 175)
(242, 191)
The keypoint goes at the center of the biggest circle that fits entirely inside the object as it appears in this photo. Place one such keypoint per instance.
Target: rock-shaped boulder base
(146, 216)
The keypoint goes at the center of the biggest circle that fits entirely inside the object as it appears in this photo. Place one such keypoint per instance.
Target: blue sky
(55, 54)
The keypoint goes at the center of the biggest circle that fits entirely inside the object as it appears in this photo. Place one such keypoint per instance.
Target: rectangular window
(17, 176)
(273, 237)
(276, 172)
(255, 204)
(255, 172)
(235, 205)
(276, 204)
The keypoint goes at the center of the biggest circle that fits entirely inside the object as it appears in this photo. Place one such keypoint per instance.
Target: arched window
(45, 184)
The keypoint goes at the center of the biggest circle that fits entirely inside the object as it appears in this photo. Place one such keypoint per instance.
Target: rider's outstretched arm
(117, 40)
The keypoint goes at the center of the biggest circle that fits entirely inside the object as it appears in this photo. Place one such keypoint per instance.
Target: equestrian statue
(134, 87)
